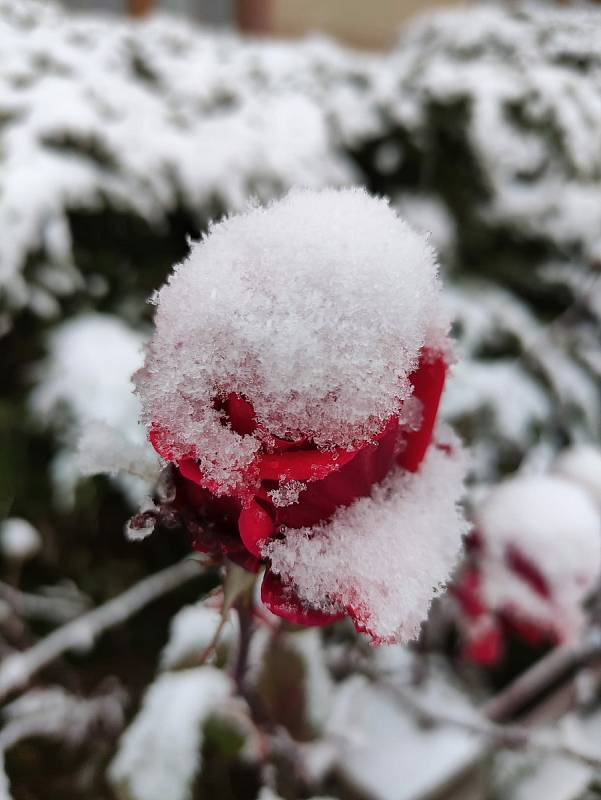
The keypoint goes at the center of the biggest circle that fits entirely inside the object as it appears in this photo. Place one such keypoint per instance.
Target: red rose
(236, 524)
(293, 379)
(532, 559)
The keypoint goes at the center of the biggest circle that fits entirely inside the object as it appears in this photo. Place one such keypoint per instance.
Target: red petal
(467, 593)
(355, 479)
(191, 471)
(486, 648)
(255, 526)
(282, 445)
(159, 439)
(241, 414)
(527, 571)
(428, 383)
(530, 631)
(302, 465)
(283, 602)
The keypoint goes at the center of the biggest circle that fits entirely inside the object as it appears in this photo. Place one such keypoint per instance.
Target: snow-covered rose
(533, 557)
(294, 379)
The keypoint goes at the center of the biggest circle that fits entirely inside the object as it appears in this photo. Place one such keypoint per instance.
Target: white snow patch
(84, 390)
(159, 754)
(191, 631)
(19, 540)
(581, 464)
(385, 752)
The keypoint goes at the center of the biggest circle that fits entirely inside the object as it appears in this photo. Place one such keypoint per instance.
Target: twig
(54, 713)
(509, 736)
(81, 633)
(555, 668)
(50, 608)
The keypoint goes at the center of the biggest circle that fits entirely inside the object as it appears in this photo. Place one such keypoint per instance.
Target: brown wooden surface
(138, 8)
(254, 16)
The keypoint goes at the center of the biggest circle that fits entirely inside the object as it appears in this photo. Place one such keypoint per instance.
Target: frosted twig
(510, 736)
(18, 668)
(554, 668)
(55, 608)
(55, 713)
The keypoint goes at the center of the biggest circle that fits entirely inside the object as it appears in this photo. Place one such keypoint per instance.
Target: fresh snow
(314, 309)
(191, 632)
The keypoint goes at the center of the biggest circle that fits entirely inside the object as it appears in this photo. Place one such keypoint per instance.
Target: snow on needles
(313, 308)
(386, 555)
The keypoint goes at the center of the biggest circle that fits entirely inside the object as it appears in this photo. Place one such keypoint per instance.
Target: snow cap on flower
(312, 309)
(539, 553)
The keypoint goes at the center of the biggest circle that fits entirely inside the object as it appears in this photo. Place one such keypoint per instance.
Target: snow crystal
(191, 631)
(19, 540)
(554, 525)
(287, 493)
(313, 308)
(384, 556)
(159, 754)
(581, 464)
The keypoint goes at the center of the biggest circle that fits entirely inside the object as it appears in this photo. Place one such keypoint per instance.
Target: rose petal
(241, 414)
(527, 571)
(283, 602)
(255, 525)
(428, 383)
(486, 647)
(302, 465)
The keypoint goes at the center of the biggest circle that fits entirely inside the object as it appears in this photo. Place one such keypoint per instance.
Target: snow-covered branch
(18, 669)
(56, 605)
(57, 714)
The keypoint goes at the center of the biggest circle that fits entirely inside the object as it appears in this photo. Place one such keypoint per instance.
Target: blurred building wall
(367, 23)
